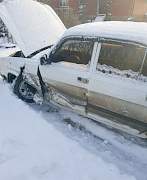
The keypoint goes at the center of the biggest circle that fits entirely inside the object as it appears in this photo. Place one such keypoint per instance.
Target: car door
(69, 71)
(115, 84)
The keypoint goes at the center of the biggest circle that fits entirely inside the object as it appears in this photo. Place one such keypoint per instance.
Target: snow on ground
(122, 150)
(31, 148)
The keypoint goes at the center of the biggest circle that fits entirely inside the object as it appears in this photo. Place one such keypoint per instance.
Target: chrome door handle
(83, 80)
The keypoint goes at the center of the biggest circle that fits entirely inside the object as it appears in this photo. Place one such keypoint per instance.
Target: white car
(95, 68)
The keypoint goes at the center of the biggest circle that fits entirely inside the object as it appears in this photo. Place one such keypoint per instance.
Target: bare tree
(2, 29)
(4, 33)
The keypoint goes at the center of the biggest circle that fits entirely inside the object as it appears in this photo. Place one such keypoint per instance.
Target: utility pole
(98, 7)
(133, 5)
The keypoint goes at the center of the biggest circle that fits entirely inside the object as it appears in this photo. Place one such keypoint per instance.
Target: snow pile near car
(30, 148)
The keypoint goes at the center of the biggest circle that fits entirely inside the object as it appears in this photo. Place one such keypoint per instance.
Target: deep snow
(31, 148)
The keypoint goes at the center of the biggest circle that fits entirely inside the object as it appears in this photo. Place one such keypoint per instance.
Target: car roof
(124, 30)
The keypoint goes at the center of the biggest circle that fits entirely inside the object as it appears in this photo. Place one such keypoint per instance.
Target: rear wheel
(24, 90)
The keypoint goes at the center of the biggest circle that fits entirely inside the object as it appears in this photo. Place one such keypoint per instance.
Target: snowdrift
(32, 149)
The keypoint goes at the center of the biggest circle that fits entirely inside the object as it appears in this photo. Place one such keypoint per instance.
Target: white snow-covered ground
(37, 145)
(31, 148)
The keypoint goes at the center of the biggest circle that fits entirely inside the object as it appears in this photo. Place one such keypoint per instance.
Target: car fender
(12, 65)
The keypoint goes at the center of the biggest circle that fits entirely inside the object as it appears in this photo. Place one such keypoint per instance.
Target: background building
(73, 12)
(132, 9)
(67, 10)
(114, 9)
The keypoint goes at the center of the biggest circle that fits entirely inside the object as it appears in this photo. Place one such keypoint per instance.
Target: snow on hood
(32, 24)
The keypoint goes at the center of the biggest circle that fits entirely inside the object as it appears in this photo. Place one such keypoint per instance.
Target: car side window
(74, 51)
(120, 58)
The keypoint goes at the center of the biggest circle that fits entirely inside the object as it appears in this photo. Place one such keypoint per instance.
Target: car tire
(24, 90)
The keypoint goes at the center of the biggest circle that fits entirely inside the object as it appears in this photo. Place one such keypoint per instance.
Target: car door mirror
(45, 60)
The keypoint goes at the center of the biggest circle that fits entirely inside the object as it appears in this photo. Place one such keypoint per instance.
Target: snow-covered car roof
(130, 31)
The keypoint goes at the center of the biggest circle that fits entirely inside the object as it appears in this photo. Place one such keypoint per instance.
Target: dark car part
(11, 77)
(23, 89)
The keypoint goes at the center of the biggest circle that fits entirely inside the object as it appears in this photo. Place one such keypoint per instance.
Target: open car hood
(33, 25)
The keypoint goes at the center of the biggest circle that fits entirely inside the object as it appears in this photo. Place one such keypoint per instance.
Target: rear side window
(120, 58)
(74, 51)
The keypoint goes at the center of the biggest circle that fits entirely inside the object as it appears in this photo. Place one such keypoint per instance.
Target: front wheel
(24, 90)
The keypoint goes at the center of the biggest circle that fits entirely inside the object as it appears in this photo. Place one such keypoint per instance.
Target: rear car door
(69, 71)
(115, 84)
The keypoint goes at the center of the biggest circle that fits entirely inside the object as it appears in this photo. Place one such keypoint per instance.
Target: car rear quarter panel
(121, 95)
